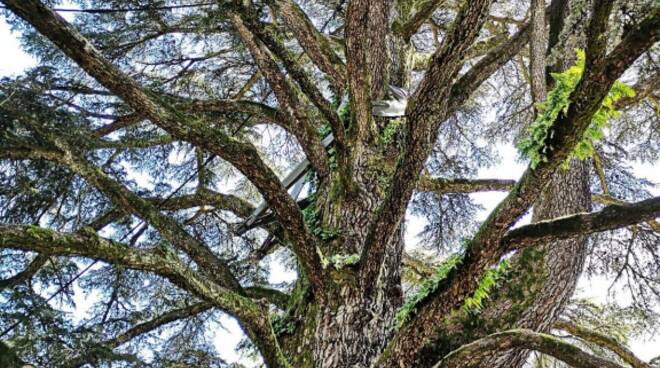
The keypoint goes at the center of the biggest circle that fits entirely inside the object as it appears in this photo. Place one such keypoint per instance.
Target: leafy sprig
(429, 285)
(558, 100)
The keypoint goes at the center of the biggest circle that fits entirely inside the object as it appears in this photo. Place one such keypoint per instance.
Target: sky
(14, 61)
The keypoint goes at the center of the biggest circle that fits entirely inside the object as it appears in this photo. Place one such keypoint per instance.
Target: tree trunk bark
(562, 262)
(348, 329)
(353, 332)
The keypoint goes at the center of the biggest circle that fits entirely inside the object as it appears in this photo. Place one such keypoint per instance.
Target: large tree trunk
(562, 261)
(348, 327)
(353, 329)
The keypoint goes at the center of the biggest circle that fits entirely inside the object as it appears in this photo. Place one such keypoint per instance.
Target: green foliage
(323, 131)
(281, 325)
(311, 218)
(428, 286)
(338, 261)
(557, 101)
(8, 357)
(390, 131)
(532, 145)
(345, 112)
(474, 303)
(607, 111)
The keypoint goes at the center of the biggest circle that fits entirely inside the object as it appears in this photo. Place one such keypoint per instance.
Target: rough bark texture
(559, 263)
(537, 49)
(562, 261)
(471, 355)
(341, 314)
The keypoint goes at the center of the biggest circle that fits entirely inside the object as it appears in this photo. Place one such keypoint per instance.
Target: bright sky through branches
(14, 61)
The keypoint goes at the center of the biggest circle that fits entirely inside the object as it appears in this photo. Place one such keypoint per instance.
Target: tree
(216, 99)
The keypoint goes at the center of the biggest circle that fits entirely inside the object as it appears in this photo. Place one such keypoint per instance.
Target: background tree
(215, 101)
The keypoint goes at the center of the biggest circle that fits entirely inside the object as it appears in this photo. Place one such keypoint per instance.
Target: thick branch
(604, 341)
(307, 85)
(471, 354)
(605, 199)
(411, 26)
(259, 110)
(441, 185)
(273, 296)
(313, 42)
(537, 49)
(242, 155)
(487, 65)
(611, 217)
(133, 143)
(299, 124)
(26, 274)
(252, 317)
(427, 104)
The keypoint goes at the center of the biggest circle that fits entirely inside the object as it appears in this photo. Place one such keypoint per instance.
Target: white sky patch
(13, 61)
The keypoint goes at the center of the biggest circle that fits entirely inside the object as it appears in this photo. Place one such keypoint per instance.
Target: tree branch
(123, 198)
(119, 123)
(26, 274)
(603, 341)
(252, 317)
(366, 63)
(427, 104)
(487, 65)
(242, 155)
(273, 296)
(605, 199)
(95, 353)
(259, 110)
(287, 98)
(313, 42)
(471, 354)
(538, 46)
(307, 85)
(611, 217)
(221, 201)
(209, 107)
(410, 27)
(441, 185)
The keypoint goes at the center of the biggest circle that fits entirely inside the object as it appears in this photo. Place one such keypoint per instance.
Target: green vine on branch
(429, 285)
(533, 143)
(311, 218)
(282, 325)
(474, 303)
